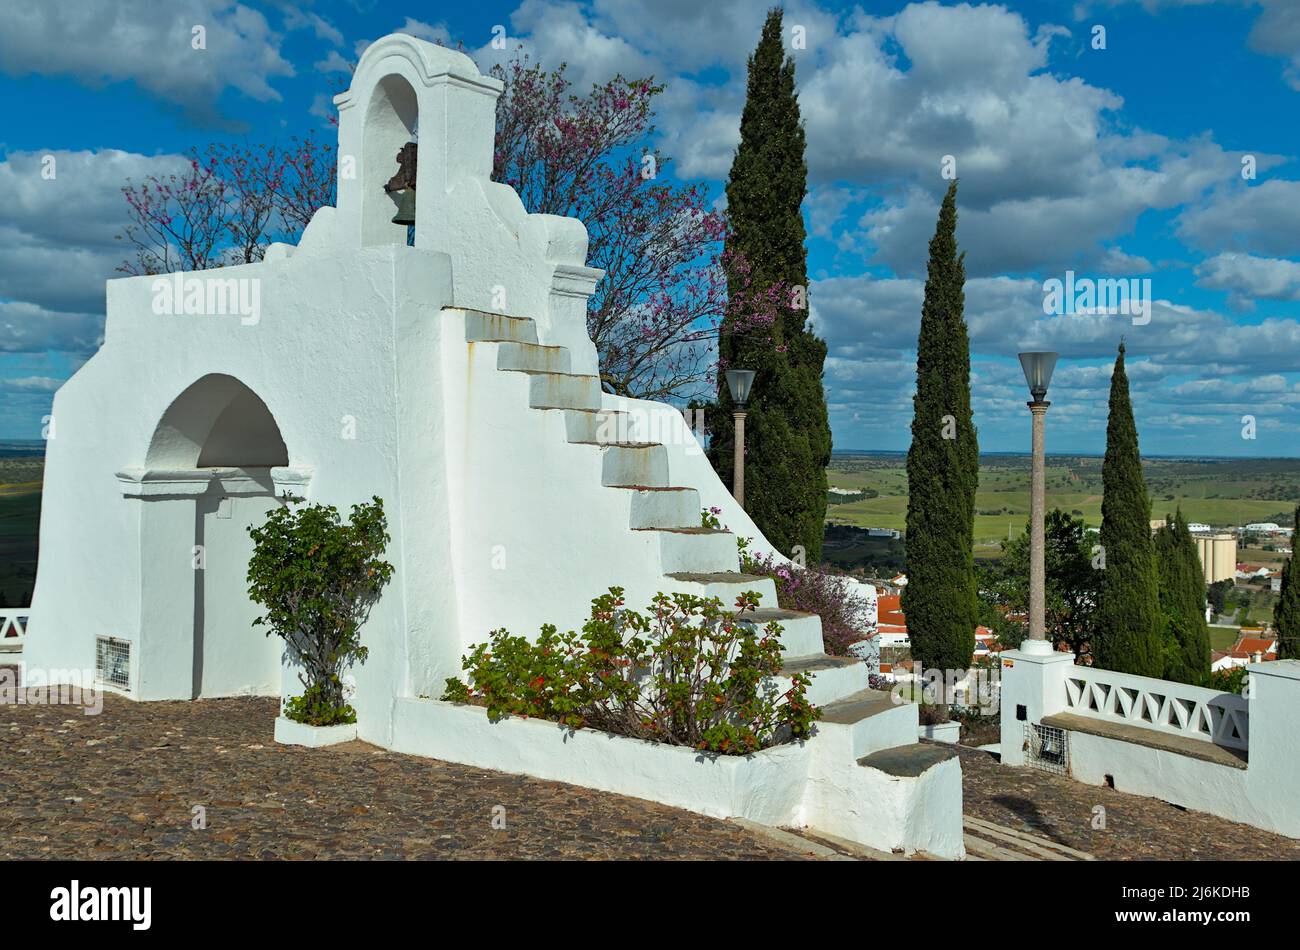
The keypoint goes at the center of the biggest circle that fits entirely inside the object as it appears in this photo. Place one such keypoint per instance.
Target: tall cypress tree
(1182, 602)
(1129, 628)
(940, 599)
(1287, 613)
(787, 433)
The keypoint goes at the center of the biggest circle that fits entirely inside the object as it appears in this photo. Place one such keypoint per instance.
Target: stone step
(801, 633)
(661, 507)
(724, 585)
(986, 851)
(561, 390)
(596, 425)
(1019, 840)
(833, 677)
(635, 465)
(497, 327)
(695, 550)
(866, 722)
(909, 759)
(531, 356)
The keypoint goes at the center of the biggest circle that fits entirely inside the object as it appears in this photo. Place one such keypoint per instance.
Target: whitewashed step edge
(288, 732)
(941, 732)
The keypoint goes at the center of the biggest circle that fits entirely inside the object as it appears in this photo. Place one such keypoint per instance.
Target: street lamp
(739, 382)
(1038, 374)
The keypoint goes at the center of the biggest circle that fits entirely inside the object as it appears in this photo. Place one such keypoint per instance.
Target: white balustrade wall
(1189, 711)
(1255, 784)
(13, 628)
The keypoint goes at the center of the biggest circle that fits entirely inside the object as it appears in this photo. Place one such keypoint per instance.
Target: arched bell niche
(391, 121)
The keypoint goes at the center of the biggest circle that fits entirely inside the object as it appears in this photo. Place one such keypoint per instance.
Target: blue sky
(1122, 162)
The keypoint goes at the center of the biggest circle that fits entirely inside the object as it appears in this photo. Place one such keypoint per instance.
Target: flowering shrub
(1231, 680)
(833, 597)
(317, 577)
(688, 672)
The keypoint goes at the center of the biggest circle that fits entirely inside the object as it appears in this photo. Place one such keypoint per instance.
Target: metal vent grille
(1047, 748)
(113, 662)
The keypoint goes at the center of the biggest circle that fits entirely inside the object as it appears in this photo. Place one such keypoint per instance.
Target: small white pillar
(1273, 774)
(1032, 686)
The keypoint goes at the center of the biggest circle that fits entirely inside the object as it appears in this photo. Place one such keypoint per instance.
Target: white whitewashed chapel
(455, 379)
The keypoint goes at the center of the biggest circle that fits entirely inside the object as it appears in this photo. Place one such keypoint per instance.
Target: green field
(1216, 492)
(20, 516)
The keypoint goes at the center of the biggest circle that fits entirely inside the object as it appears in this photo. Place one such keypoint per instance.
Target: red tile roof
(1247, 647)
(889, 612)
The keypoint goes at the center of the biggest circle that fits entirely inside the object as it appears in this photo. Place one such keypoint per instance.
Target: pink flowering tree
(231, 203)
(654, 318)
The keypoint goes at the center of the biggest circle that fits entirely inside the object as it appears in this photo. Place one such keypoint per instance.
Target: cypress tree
(787, 432)
(940, 599)
(1287, 613)
(1129, 629)
(1182, 602)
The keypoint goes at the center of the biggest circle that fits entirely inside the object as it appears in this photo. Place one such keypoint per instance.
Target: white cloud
(334, 63)
(60, 244)
(1247, 278)
(295, 19)
(149, 44)
(1277, 33)
(41, 384)
(433, 32)
(27, 328)
(1256, 219)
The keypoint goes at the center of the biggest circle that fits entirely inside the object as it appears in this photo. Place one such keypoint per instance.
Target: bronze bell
(403, 184)
(405, 207)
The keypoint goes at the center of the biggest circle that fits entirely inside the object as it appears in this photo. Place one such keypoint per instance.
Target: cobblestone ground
(1137, 828)
(123, 785)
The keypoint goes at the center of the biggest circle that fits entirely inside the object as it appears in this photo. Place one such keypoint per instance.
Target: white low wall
(808, 783)
(1265, 724)
(766, 787)
(1157, 773)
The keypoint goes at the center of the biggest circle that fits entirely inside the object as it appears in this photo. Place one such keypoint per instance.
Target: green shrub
(317, 578)
(687, 672)
(1231, 680)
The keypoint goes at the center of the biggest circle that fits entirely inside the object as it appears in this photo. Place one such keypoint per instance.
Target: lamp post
(739, 382)
(1038, 373)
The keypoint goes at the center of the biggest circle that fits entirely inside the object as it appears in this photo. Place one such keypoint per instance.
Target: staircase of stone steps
(988, 841)
(693, 558)
(867, 778)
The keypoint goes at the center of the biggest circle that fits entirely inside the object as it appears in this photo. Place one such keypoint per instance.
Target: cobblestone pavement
(1137, 828)
(124, 785)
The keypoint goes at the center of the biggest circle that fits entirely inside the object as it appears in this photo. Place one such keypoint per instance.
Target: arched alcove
(206, 480)
(217, 422)
(391, 120)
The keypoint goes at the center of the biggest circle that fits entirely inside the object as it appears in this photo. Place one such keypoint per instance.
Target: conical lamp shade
(1038, 372)
(739, 382)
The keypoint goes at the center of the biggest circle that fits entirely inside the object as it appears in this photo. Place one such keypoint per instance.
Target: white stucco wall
(338, 338)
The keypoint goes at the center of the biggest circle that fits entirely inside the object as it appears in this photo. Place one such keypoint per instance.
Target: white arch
(217, 422)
